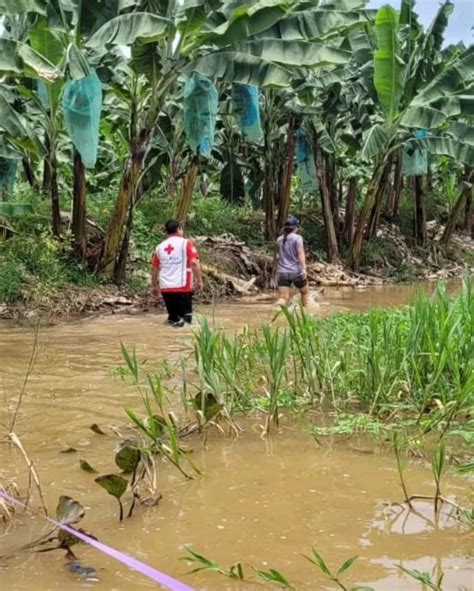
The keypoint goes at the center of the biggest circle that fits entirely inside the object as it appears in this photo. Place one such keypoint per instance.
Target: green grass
(415, 362)
(35, 265)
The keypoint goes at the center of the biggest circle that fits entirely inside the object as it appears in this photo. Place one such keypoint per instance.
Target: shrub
(11, 278)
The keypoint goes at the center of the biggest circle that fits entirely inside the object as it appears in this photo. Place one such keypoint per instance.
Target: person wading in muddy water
(291, 263)
(176, 262)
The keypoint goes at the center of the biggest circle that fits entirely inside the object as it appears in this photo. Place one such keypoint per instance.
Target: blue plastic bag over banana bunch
(306, 167)
(415, 159)
(245, 100)
(43, 93)
(82, 105)
(200, 113)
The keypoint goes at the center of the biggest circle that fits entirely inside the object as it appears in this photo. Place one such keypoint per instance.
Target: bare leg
(304, 291)
(283, 296)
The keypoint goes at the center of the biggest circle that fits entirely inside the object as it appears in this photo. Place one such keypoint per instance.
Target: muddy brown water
(261, 502)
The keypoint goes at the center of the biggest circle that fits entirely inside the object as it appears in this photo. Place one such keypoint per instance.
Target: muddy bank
(234, 272)
(75, 304)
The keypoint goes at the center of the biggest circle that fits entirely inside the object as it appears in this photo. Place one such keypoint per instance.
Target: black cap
(292, 222)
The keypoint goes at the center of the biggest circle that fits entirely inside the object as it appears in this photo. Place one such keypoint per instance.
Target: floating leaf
(69, 511)
(87, 467)
(127, 458)
(96, 429)
(66, 539)
(115, 485)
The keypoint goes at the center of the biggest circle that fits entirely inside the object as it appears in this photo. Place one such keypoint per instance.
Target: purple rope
(133, 563)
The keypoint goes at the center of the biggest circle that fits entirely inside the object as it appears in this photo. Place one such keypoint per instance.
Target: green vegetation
(229, 114)
(402, 375)
(349, 117)
(35, 266)
(414, 363)
(274, 577)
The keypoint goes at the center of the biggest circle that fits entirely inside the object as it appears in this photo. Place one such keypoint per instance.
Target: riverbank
(42, 276)
(234, 271)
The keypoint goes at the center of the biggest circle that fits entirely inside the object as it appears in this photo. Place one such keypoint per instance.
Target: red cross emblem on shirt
(169, 249)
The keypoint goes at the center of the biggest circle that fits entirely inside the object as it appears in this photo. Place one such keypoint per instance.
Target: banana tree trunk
(116, 231)
(285, 193)
(79, 206)
(429, 178)
(350, 211)
(379, 200)
(46, 181)
(331, 236)
(50, 182)
(269, 197)
(353, 258)
(171, 179)
(468, 225)
(187, 190)
(396, 189)
(420, 212)
(331, 183)
(29, 173)
(114, 235)
(121, 266)
(141, 134)
(54, 192)
(464, 198)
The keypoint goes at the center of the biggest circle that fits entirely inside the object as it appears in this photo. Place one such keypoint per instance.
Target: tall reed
(417, 360)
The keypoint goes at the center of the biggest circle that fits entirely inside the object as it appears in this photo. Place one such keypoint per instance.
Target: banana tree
(20, 60)
(43, 40)
(333, 107)
(404, 107)
(222, 39)
(462, 203)
(66, 26)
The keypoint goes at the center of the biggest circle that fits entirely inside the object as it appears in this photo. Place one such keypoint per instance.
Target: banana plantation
(268, 445)
(332, 106)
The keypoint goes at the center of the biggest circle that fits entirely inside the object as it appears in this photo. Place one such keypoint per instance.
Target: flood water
(263, 502)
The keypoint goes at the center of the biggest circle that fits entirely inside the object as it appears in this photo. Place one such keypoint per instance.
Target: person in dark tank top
(291, 263)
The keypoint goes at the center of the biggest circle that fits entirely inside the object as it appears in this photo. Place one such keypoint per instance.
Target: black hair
(287, 230)
(172, 226)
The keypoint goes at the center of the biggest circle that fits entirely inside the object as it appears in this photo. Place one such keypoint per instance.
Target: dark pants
(179, 306)
(289, 279)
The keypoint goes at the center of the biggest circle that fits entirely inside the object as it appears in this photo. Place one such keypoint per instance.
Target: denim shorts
(290, 279)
